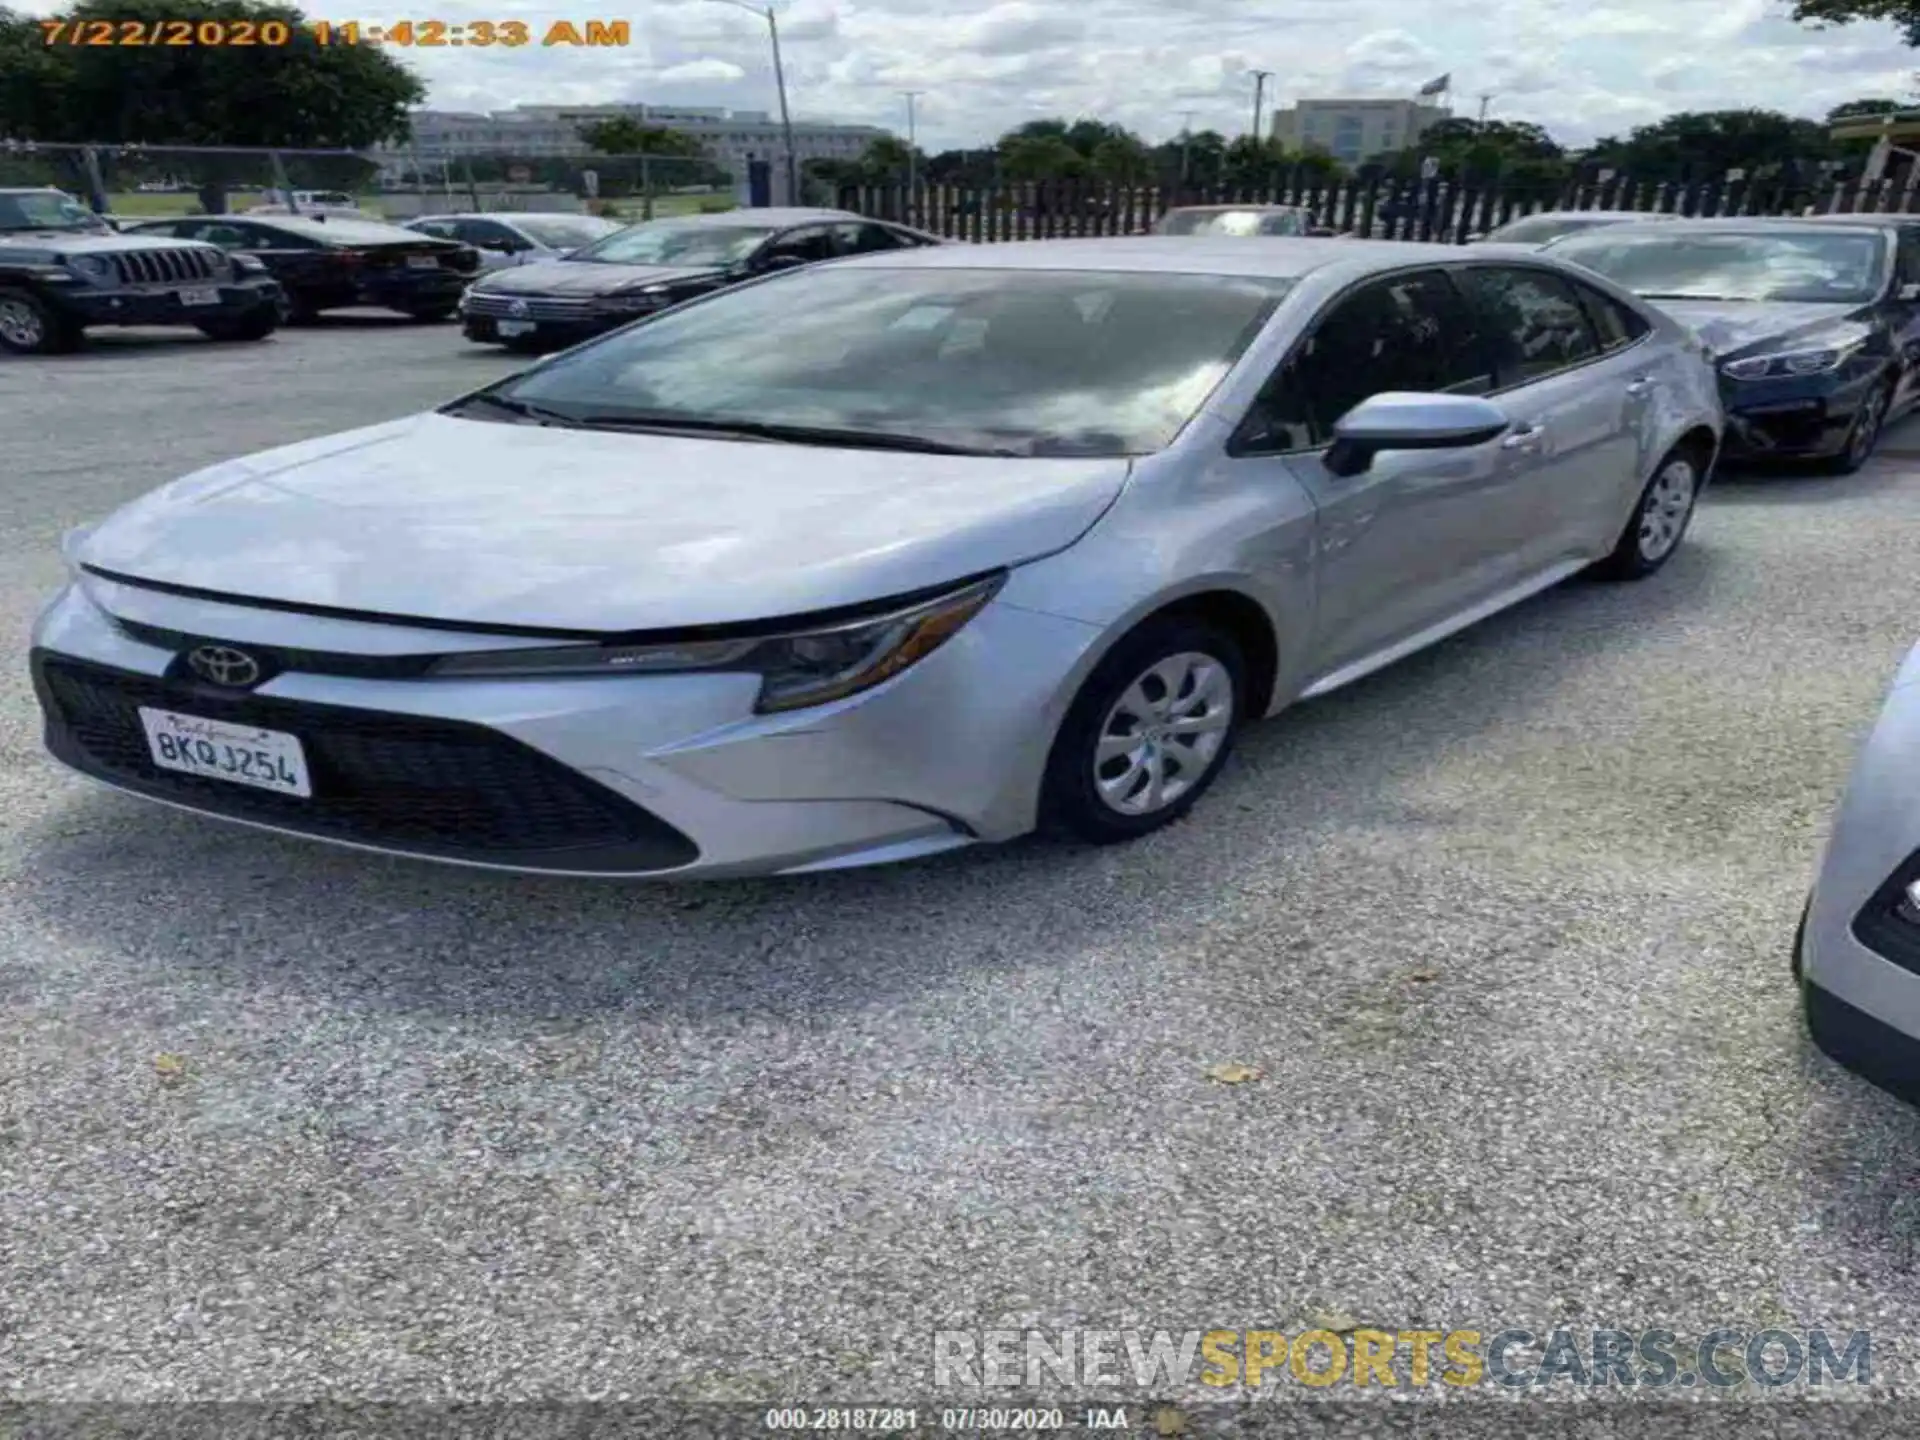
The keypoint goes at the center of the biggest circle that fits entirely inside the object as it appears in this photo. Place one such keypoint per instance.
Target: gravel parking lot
(1505, 928)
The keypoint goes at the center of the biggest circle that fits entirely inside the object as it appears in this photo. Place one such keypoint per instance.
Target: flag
(1438, 85)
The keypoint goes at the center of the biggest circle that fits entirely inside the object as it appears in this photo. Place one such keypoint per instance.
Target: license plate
(423, 262)
(515, 327)
(207, 296)
(244, 754)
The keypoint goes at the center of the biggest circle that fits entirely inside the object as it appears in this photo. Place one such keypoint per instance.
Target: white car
(506, 240)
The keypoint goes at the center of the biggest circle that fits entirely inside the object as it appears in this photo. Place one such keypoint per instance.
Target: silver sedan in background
(506, 239)
(879, 558)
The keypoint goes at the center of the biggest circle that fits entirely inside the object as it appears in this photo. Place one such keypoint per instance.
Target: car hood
(105, 242)
(484, 523)
(1728, 326)
(587, 277)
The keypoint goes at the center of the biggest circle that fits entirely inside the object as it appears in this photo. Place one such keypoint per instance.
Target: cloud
(691, 71)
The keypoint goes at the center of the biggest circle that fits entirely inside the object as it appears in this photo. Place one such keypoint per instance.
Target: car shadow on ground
(364, 929)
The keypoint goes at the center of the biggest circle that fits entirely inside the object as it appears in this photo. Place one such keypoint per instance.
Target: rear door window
(1534, 323)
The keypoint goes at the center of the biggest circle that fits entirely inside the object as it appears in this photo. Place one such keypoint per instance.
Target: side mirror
(1401, 420)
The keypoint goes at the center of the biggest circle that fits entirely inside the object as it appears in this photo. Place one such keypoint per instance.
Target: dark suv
(63, 268)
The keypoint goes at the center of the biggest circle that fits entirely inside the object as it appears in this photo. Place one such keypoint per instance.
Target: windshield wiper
(825, 435)
(1694, 295)
(515, 407)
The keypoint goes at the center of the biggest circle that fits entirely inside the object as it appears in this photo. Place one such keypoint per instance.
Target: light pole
(1186, 144)
(1260, 78)
(780, 84)
(912, 153)
(1485, 99)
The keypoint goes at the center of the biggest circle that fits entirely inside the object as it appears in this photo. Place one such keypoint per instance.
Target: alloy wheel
(1866, 427)
(20, 324)
(1663, 518)
(1163, 734)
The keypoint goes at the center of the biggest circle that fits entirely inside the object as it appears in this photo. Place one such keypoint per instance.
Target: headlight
(98, 267)
(647, 297)
(1793, 362)
(809, 667)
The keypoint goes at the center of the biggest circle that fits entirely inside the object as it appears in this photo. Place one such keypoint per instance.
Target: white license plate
(424, 262)
(208, 296)
(244, 754)
(515, 327)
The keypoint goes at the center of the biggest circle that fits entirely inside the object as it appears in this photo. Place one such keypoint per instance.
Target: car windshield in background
(46, 212)
(567, 233)
(1836, 269)
(1231, 222)
(1539, 229)
(673, 242)
(1039, 363)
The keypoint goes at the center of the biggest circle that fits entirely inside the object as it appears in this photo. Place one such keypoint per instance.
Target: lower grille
(432, 787)
(159, 267)
(529, 307)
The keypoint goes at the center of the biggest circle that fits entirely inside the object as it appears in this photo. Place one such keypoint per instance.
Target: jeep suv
(62, 268)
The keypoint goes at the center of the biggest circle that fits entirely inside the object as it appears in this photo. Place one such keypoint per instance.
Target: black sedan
(657, 263)
(334, 263)
(1814, 327)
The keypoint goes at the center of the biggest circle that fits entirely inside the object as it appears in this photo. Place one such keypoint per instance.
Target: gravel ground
(1505, 927)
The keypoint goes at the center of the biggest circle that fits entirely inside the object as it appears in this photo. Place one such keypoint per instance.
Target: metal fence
(1439, 209)
(395, 183)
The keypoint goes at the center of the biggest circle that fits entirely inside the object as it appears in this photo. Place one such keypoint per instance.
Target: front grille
(432, 787)
(169, 267)
(276, 659)
(535, 307)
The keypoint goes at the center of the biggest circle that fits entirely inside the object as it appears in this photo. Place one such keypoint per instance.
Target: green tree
(1122, 159)
(1040, 157)
(672, 157)
(299, 95)
(1822, 13)
(1870, 106)
(1704, 145)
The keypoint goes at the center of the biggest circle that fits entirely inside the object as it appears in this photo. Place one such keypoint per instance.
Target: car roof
(774, 217)
(1718, 225)
(341, 228)
(1857, 219)
(1623, 215)
(1275, 257)
(507, 217)
(1232, 209)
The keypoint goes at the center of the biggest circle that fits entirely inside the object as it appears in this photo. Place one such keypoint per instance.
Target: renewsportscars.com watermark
(1721, 1358)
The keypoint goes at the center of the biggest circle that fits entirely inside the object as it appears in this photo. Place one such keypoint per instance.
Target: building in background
(535, 132)
(1354, 130)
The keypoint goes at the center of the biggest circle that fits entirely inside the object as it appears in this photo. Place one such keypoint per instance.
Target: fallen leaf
(1338, 1323)
(171, 1069)
(1169, 1422)
(1233, 1073)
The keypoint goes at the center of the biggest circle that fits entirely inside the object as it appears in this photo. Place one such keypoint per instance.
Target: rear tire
(1660, 517)
(30, 326)
(246, 327)
(1148, 733)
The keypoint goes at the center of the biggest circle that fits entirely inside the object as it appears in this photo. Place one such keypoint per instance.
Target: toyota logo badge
(224, 665)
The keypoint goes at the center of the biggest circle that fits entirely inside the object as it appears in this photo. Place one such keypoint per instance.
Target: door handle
(1639, 385)
(1525, 438)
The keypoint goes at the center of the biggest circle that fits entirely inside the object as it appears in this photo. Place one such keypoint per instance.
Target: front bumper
(662, 775)
(155, 306)
(1792, 419)
(487, 330)
(1861, 957)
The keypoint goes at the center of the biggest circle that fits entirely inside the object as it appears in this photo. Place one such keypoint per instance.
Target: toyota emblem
(518, 307)
(224, 665)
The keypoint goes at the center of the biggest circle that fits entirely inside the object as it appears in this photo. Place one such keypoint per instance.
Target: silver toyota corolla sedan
(877, 559)
(1858, 952)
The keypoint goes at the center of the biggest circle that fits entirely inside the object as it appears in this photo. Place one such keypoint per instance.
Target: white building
(1354, 130)
(730, 137)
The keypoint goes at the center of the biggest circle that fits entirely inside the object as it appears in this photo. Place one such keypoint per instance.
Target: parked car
(326, 264)
(1857, 956)
(1237, 220)
(505, 240)
(1550, 225)
(63, 269)
(879, 558)
(658, 263)
(1815, 327)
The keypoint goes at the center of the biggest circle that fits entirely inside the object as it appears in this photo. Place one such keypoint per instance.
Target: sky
(1582, 69)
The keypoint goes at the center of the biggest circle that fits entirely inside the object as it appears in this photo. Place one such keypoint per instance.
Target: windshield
(46, 210)
(676, 242)
(1043, 362)
(1732, 265)
(1232, 222)
(566, 233)
(1539, 229)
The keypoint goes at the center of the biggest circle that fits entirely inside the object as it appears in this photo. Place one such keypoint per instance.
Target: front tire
(1148, 732)
(1863, 436)
(1660, 518)
(30, 326)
